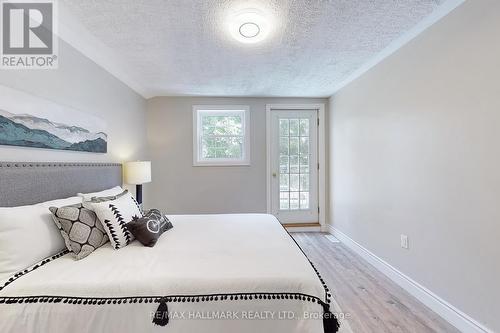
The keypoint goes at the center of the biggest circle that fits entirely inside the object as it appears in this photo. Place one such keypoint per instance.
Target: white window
(221, 135)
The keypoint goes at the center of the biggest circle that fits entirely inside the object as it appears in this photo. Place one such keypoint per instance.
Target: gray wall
(415, 148)
(81, 84)
(178, 187)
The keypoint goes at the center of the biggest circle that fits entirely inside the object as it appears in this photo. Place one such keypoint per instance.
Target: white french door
(294, 165)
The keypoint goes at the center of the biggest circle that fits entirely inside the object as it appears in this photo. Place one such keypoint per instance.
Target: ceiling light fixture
(249, 25)
(249, 30)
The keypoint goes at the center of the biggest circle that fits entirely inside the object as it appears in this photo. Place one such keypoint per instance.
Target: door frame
(321, 154)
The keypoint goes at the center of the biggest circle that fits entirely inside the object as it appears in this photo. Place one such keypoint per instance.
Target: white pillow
(114, 215)
(106, 193)
(28, 235)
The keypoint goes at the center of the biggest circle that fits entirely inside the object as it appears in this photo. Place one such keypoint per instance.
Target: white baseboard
(447, 311)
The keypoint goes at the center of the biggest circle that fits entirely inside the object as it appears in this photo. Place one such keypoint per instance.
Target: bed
(212, 273)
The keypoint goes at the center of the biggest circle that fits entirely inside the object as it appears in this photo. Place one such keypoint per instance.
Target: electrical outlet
(404, 242)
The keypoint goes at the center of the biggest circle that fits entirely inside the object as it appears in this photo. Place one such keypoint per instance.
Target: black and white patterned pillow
(108, 198)
(150, 227)
(82, 231)
(115, 214)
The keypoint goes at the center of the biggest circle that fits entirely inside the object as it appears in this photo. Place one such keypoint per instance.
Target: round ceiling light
(249, 25)
(249, 30)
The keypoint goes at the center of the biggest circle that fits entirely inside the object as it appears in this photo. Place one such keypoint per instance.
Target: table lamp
(138, 173)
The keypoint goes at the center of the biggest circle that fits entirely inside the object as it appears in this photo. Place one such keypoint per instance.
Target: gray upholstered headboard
(26, 183)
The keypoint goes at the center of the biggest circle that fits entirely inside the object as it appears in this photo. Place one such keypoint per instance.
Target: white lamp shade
(138, 172)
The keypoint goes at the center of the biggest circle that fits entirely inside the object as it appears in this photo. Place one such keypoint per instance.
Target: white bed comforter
(197, 269)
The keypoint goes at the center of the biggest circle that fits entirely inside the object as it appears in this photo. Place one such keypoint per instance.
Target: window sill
(220, 164)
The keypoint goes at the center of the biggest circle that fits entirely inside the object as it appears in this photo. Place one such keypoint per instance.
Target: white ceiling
(183, 47)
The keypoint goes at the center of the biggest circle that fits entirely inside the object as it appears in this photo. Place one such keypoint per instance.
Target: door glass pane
(304, 164)
(294, 164)
(294, 182)
(304, 182)
(284, 200)
(304, 200)
(284, 127)
(283, 146)
(294, 145)
(294, 160)
(294, 200)
(294, 127)
(304, 145)
(284, 183)
(304, 127)
(284, 164)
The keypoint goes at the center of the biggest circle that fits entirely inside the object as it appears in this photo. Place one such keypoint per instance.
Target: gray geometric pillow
(81, 229)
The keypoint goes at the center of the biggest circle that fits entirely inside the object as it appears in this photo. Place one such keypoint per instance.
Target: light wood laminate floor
(372, 301)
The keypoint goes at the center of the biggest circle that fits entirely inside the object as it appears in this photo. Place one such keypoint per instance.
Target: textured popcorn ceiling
(183, 47)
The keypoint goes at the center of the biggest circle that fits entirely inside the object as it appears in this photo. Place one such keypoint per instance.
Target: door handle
(274, 174)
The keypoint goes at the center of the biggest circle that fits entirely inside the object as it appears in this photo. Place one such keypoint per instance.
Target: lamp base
(138, 193)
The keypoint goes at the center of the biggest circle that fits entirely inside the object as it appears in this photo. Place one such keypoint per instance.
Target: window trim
(223, 109)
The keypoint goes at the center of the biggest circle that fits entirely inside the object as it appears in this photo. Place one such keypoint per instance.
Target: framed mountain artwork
(30, 121)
